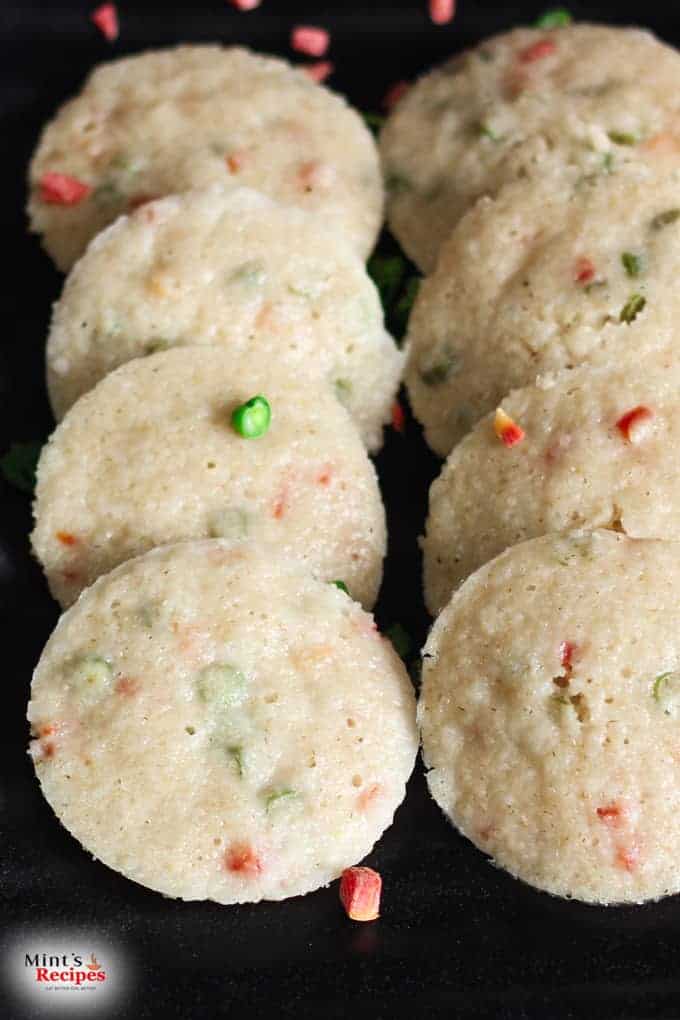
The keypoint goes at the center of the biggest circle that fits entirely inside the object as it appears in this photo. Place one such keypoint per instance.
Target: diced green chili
(663, 219)
(276, 797)
(632, 308)
(342, 586)
(622, 138)
(633, 264)
(557, 18)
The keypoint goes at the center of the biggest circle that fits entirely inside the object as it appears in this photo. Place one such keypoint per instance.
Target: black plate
(457, 938)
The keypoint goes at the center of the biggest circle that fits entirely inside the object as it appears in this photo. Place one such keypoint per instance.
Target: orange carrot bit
(611, 815)
(368, 796)
(628, 857)
(629, 423)
(235, 161)
(316, 175)
(127, 686)
(395, 93)
(61, 189)
(664, 142)
(325, 475)
(398, 417)
(66, 538)
(584, 271)
(442, 11)
(537, 51)
(507, 430)
(242, 859)
(360, 890)
(320, 71)
(105, 18)
(280, 504)
(310, 40)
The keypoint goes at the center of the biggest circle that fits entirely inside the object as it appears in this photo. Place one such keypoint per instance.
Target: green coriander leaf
(633, 264)
(632, 308)
(554, 19)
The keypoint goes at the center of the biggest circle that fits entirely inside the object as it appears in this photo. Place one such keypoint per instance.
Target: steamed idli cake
(214, 723)
(151, 455)
(549, 705)
(601, 449)
(232, 268)
(548, 275)
(516, 106)
(169, 120)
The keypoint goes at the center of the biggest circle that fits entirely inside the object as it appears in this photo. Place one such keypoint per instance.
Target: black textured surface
(456, 937)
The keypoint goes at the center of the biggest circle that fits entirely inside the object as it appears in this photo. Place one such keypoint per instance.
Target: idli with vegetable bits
(551, 274)
(591, 448)
(232, 268)
(228, 673)
(171, 120)
(520, 105)
(551, 686)
(193, 443)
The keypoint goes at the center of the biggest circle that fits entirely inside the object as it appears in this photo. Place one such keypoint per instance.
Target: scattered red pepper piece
(442, 11)
(627, 423)
(398, 417)
(627, 857)
(360, 890)
(394, 94)
(584, 270)
(610, 815)
(567, 649)
(320, 71)
(66, 538)
(127, 686)
(105, 18)
(507, 430)
(537, 51)
(60, 189)
(310, 40)
(241, 858)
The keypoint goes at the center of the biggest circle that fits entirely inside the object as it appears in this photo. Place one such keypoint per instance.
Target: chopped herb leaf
(665, 218)
(632, 308)
(608, 162)
(236, 755)
(665, 692)
(374, 121)
(342, 586)
(554, 19)
(271, 800)
(19, 465)
(446, 364)
(400, 638)
(387, 273)
(343, 390)
(622, 138)
(633, 264)
(486, 131)
(396, 182)
(402, 308)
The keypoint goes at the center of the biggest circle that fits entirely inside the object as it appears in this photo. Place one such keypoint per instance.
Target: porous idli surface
(519, 105)
(549, 275)
(150, 456)
(601, 449)
(214, 723)
(551, 686)
(170, 120)
(231, 268)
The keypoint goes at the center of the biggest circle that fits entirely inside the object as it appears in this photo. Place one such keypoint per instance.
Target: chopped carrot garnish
(235, 162)
(320, 71)
(567, 650)
(508, 431)
(628, 857)
(127, 685)
(360, 890)
(60, 189)
(629, 422)
(537, 51)
(610, 815)
(241, 858)
(105, 18)
(584, 271)
(324, 476)
(442, 11)
(310, 40)
(66, 538)
(367, 796)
